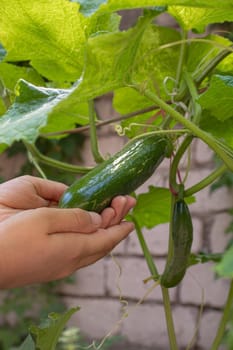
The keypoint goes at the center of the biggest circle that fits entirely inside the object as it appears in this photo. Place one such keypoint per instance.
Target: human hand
(40, 242)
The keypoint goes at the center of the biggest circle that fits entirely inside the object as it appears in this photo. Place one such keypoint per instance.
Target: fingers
(67, 220)
(120, 206)
(104, 240)
(47, 189)
(28, 192)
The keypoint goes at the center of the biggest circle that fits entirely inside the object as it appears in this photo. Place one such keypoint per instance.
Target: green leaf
(108, 66)
(47, 334)
(66, 117)
(225, 267)
(198, 18)
(153, 207)
(219, 129)
(29, 112)
(28, 344)
(135, 56)
(201, 53)
(10, 74)
(218, 99)
(51, 37)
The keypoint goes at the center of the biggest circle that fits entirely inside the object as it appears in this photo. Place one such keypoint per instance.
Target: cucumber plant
(171, 86)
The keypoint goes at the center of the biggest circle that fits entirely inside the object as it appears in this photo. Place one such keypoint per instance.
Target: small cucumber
(182, 237)
(121, 174)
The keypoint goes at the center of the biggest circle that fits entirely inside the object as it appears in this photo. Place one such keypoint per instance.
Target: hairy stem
(94, 140)
(165, 292)
(174, 167)
(194, 94)
(169, 319)
(149, 260)
(40, 158)
(206, 181)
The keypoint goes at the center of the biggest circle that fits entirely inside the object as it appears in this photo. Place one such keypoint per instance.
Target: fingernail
(95, 218)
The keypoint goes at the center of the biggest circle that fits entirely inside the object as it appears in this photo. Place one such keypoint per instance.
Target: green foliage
(21, 302)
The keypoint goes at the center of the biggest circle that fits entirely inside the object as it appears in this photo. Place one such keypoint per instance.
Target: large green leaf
(198, 18)
(135, 56)
(28, 113)
(52, 36)
(218, 99)
(153, 207)
(108, 66)
(219, 129)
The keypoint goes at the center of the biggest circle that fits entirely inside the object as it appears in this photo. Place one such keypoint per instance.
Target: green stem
(225, 317)
(206, 181)
(207, 138)
(181, 58)
(155, 275)
(173, 171)
(194, 94)
(169, 319)
(149, 260)
(94, 141)
(53, 162)
(165, 291)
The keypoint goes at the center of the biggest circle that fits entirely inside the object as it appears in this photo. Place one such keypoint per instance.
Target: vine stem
(225, 317)
(169, 319)
(207, 138)
(94, 141)
(149, 260)
(173, 170)
(194, 94)
(181, 58)
(206, 181)
(165, 293)
(53, 162)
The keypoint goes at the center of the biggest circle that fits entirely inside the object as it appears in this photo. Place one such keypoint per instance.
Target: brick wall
(97, 287)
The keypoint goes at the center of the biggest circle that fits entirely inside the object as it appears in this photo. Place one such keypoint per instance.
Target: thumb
(68, 220)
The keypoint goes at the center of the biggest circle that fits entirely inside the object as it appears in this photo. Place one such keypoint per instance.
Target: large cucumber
(119, 175)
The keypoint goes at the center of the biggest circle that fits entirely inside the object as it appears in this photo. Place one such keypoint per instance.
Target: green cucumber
(121, 174)
(182, 237)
